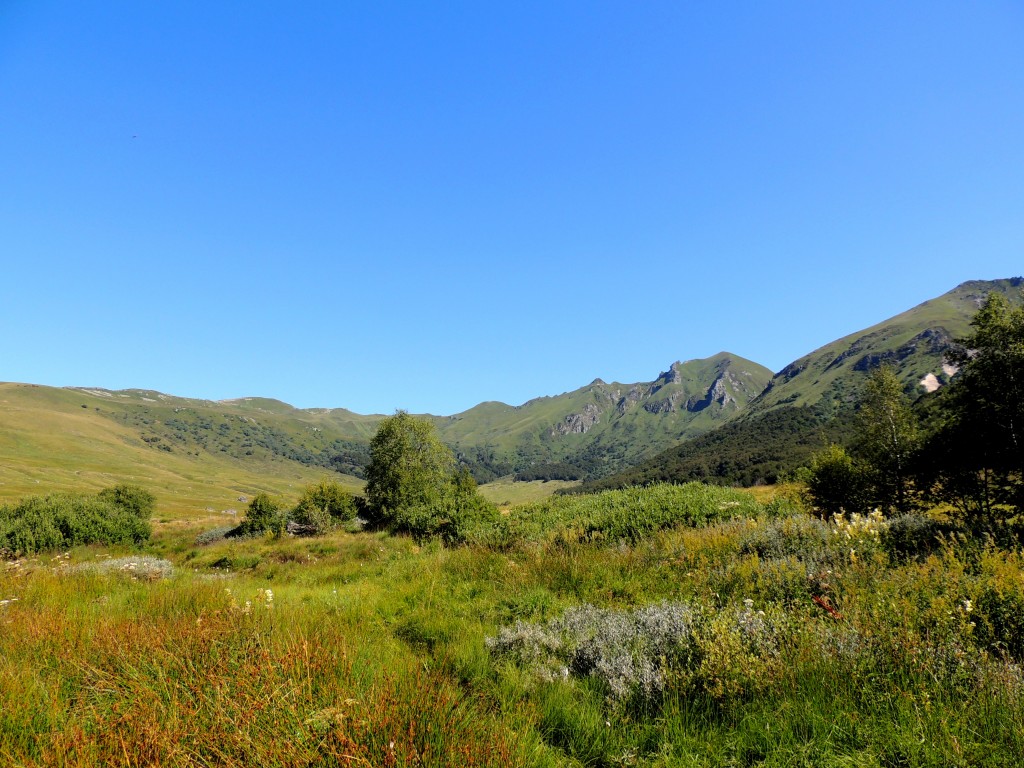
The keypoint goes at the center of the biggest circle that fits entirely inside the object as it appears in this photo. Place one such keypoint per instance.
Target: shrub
(912, 536)
(214, 535)
(323, 506)
(131, 498)
(739, 652)
(455, 518)
(63, 520)
(837, 483)
(638, 654)
(262, 515)
(629, 652)
(798, 535)
(629, 515)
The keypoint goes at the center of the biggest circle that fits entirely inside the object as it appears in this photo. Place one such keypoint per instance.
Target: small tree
(262, 515)
(887, 438)
(414, 485)
(409, 466)
(836, 483)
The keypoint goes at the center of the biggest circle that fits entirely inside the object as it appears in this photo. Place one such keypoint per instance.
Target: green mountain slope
(913, 343)
(810, 402)
(722, 418)
(606, 426)
(206, 454)
(83, 440)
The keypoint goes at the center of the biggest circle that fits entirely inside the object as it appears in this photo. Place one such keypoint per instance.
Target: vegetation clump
(263, 515)
(414, 485)
(636, 655)
(118, 515)
(628, 515)
(322, 507)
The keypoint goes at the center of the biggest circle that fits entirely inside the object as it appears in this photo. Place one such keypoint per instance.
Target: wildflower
(968, 605)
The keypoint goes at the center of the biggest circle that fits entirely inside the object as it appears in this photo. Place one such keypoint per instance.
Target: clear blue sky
(377, 205)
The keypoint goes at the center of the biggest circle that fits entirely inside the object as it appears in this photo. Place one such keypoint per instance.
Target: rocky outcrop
(578, 423)
(933, 341)
(631, 398)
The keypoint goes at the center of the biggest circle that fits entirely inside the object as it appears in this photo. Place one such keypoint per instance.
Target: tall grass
(372, 649)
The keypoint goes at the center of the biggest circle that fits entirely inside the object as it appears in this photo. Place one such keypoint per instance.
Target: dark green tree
(887, 438)
(975, 460)
(837, 483)
(262, 515)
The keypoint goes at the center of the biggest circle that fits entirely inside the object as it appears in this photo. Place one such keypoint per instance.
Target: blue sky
(427, 205)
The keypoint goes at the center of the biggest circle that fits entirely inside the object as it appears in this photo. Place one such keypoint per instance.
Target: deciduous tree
(409, 466)
(887, 438)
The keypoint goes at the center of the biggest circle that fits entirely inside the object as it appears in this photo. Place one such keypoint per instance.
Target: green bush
(323, 506)
(131, 498)
(63, 520)
(837, 483)
(800, 535)
(912, 536)
(263, 515)
(455, 518)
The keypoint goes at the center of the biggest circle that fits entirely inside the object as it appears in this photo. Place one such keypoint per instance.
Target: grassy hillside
(810, 402)
(602, 426)
(913, 343)
(207, 454)
(61, 439)
(206, 451)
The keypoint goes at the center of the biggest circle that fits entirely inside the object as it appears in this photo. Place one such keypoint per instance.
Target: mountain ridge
(809, 402)
(722, 418)
(599, 427)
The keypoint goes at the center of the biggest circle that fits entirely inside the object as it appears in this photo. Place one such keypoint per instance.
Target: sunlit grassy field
(55, 440)
(736, 632)
(505, 492)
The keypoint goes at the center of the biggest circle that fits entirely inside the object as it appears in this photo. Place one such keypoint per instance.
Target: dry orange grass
(186, 675)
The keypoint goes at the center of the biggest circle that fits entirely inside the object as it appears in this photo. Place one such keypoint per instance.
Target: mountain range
(722, 418)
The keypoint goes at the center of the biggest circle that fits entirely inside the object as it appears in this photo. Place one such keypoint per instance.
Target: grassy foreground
(727, 632)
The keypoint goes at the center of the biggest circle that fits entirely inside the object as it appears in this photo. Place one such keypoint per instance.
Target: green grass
(373, 640)
(505, 492)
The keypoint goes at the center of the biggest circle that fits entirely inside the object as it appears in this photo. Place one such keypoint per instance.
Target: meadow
(669, 626)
